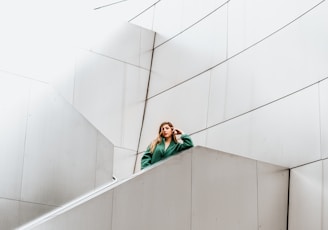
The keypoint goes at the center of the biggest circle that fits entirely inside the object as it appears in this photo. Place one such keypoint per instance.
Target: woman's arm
(187, 142)
(146, 159)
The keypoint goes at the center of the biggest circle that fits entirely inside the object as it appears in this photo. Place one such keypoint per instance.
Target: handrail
(68, 206)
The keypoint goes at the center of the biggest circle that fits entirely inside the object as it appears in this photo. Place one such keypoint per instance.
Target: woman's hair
(159, 137)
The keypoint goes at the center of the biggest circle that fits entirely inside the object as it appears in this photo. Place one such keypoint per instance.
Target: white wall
(308, 191)
(98, 62)
(110, 85)
(110, 81)
(197, 189)
(244, 80)
(15, 213)
(70, 46)
(168, 17)
(226, 72)
(49, 153)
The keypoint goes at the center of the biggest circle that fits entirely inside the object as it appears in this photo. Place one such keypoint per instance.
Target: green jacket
(160, 153)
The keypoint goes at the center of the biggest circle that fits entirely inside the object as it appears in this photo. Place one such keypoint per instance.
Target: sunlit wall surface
(242, 76)
(308, 207)
(49, 153)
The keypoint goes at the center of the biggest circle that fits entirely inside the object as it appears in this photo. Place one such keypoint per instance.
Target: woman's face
(166, 131)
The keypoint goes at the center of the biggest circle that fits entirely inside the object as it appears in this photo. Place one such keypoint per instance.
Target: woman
(165, 144)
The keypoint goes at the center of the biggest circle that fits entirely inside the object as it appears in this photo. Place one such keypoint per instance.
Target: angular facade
(240, 76)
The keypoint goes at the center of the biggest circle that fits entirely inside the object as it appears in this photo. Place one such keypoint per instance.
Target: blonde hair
(159, 137)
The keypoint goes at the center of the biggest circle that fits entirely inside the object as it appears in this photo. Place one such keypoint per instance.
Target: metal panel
(190, 53)
(182, 15)
(14, 213)
(158, 199)
(111, 95)
(290, 60)
(98, 94)
(145, 19)
(217, 96)
(226, 135)
(120, 40)
(124, 161)
(60, 158)
(285, 133)
(184, 105)
(134, 94)
(200, 188)
(14, 95)
(250, 21)
(123, 11)
(63, 72)
(273, 185)
(105, 160)
(224, 191)
(94, 214)
(9, 218)
(29, 211)
(167, 26)
(199, 138)
(195, 10)
(147, 38)
(305, 206)
(323, 90)
(325, 196)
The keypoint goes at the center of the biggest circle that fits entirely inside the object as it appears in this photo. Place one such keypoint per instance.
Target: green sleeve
(187, 142)
(146, 159)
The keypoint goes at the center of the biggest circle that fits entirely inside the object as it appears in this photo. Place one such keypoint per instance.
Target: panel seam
(146, 102)
(236, 54)
(261, 106)
(288, 199)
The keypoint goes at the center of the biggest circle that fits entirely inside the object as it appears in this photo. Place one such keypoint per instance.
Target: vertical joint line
(227, 35)
(321, 156)
(74, 81)
(288, 200)
(113, 206)
(320, 122)
(322, 192)
(191, 190)
(146, 101)
(209, 97)
(124, 84)
(257, 195)
(25, 138)
(96, 162)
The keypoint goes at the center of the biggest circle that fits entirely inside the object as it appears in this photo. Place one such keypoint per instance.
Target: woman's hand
(177, 131)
